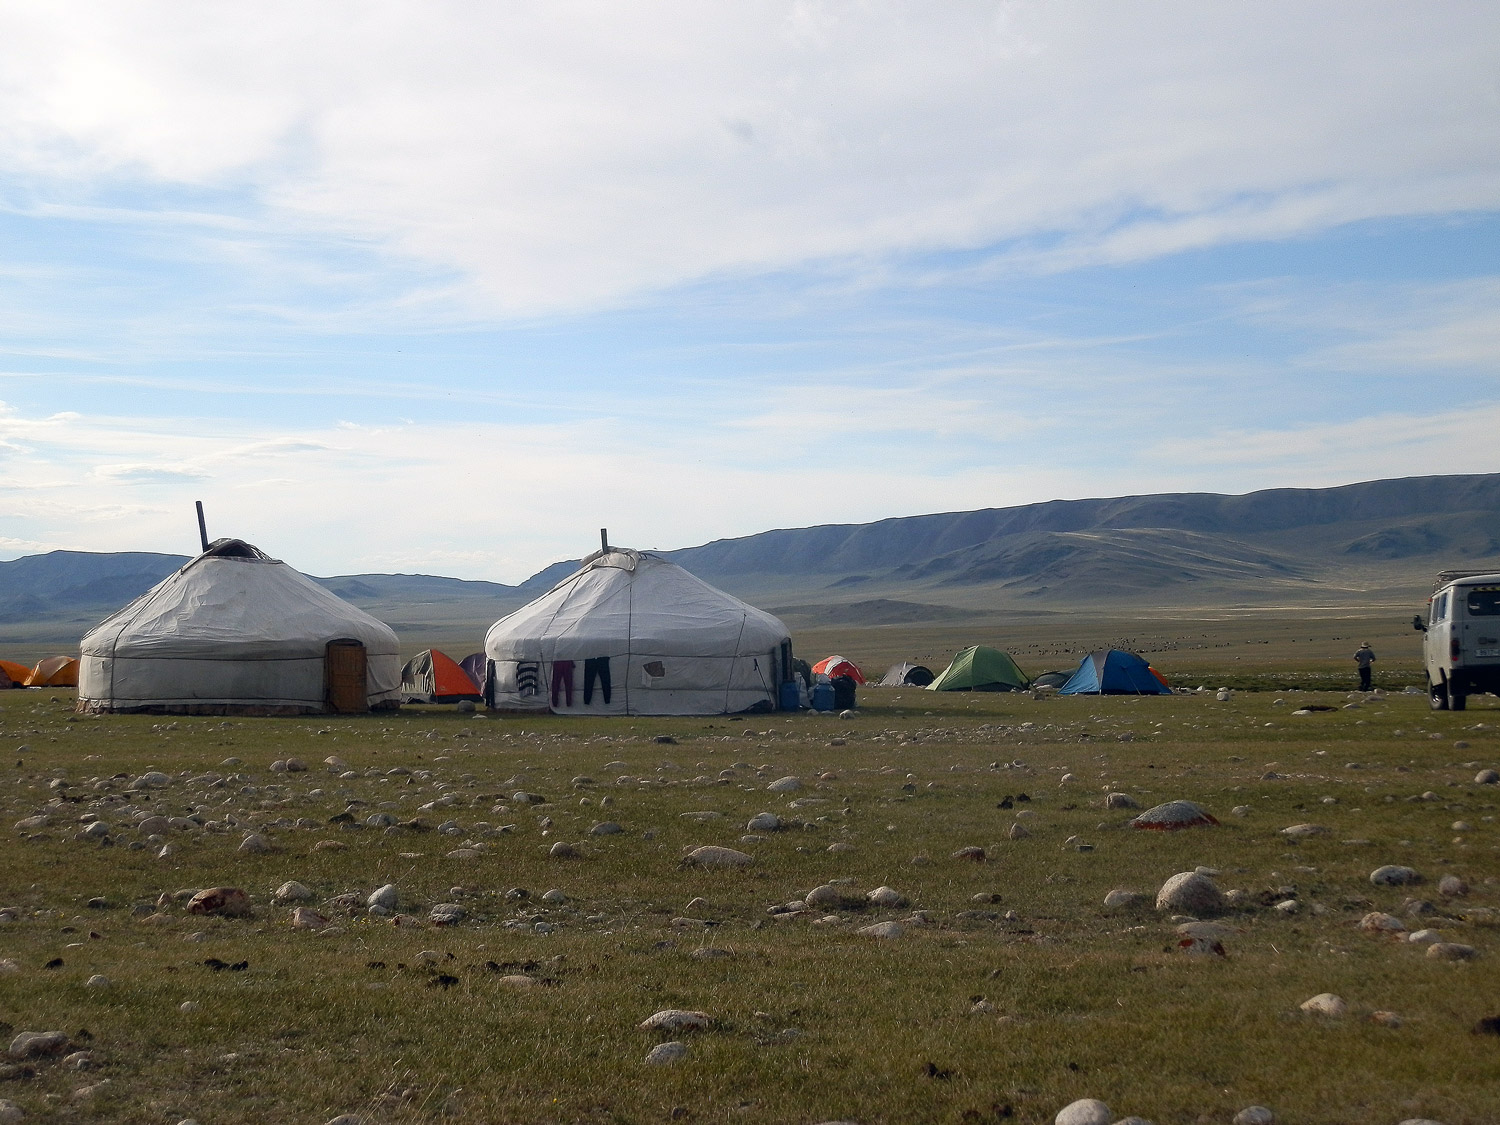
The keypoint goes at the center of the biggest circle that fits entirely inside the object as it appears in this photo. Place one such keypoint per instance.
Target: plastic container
(789, 696)
(822, 697)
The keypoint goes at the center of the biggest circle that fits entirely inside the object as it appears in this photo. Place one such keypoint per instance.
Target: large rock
(38, 1044)
(1325, 1004)
(230, 902)
(1190, 892)
(711, 855)
(1085, 1111)
(1174, 815)
(1394, 875)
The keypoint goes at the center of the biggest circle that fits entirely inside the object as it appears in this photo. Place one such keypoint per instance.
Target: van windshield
(1484, 601)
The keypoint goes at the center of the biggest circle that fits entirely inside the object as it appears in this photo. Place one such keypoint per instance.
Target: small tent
(15, 675)
(906, 675)
(1052, 680)
(1115, 672)
(434, 677)
(238, 632)
(55, 671)
(832, 666)
(475, 664)
(632, 633)
(981, 669)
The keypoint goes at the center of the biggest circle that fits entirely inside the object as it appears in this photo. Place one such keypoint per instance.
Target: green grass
(1086, 1002)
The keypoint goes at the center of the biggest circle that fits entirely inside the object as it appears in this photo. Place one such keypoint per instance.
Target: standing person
(1364, 656)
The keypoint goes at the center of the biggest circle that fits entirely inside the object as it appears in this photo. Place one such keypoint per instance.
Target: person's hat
(1364, 644)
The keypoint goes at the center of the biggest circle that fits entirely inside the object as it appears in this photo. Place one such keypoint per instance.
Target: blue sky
(446, 289)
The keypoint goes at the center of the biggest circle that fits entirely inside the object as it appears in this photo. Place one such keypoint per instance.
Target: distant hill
(1380, 539)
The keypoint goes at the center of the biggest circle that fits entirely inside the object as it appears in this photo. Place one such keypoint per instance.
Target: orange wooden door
(344, 677)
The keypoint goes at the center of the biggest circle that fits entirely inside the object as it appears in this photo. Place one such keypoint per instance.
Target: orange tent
(435, 677)
(55, 671)
(18, 674)
(832, 666)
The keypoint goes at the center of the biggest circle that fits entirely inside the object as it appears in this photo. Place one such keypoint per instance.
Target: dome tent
(631, 633)
(1115, 672)
(981, 669)
(832, 666)
(54, 671)
(906, 675)
(238, 632)
(433, 676)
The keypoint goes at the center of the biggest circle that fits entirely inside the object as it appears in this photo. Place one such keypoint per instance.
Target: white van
(1461, 648)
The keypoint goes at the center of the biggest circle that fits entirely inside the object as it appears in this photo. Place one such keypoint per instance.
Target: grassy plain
(411, 1023)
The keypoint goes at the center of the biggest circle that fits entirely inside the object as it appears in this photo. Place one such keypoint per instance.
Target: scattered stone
(1174, 815)
(887, 897)
(1085, 1111)
(1121, 801)
(229, 902)
(663, 1053)
(830, 897)
(971, 853)
(606, 828)
(1325, 1004)
(712, 855)
(563, 850)
(1018, 831)
(1377, 922)
(254, 844)
(1190, 892)
(1254, 1115)
(292, 892)
(1424, 937)
(1303, 831)
(1487, 777)
(447, 914)
(764, 822)
(37, 1044)
(386, 897)
(882, 930)
(1451, 951)
(676, 1019)
(785, 785)
(1124, 900)
(1394, 875)
(305, 918)
(10, 1111)
(1451, 886)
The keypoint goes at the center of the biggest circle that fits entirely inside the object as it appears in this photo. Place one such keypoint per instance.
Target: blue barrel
(822, 697)
(789, 696)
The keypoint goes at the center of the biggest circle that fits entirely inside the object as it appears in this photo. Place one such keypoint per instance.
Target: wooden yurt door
(344, 677)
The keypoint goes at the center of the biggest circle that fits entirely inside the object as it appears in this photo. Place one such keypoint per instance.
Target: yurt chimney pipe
(604, 539)
(202, 527)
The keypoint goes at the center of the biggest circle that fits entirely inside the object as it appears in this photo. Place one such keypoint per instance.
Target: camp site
(663, 850)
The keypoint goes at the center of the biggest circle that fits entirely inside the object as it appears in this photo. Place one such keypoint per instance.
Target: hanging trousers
(595, 667)
(562, 678)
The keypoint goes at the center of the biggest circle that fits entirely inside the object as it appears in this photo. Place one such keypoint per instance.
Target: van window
(1483, 601)
(1439, 609)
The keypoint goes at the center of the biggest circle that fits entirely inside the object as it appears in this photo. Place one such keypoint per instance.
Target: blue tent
(1115, 673)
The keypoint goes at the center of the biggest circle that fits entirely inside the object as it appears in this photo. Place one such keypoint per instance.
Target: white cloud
(585, 153)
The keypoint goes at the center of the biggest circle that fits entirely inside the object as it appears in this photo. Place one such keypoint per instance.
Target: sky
(448, 287)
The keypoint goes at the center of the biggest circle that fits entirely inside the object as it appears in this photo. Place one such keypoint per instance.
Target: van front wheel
(1437, 695)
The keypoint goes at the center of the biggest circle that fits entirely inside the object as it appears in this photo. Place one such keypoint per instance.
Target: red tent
(55, 671)
(435, 677)
(832, 666)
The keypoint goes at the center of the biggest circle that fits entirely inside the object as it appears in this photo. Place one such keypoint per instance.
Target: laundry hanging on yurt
(238, 632)
(632, 633)
(1115, 672)
(435, 677)
(832, 666)
(906, 675)
(54, 671)
(981, 668)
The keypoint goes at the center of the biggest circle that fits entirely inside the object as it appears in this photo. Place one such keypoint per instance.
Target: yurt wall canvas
(236, 631)
(631, 633)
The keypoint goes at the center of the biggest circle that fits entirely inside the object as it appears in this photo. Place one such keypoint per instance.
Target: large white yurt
(631, 633)
(238, 632)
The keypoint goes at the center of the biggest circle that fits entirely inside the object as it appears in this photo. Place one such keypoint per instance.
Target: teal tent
(981, 669)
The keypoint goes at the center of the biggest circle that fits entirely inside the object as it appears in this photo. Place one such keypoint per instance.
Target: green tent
(981, 669)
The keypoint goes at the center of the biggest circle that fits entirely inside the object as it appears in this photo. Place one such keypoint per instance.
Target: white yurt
(631, 633)
(238, 632)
